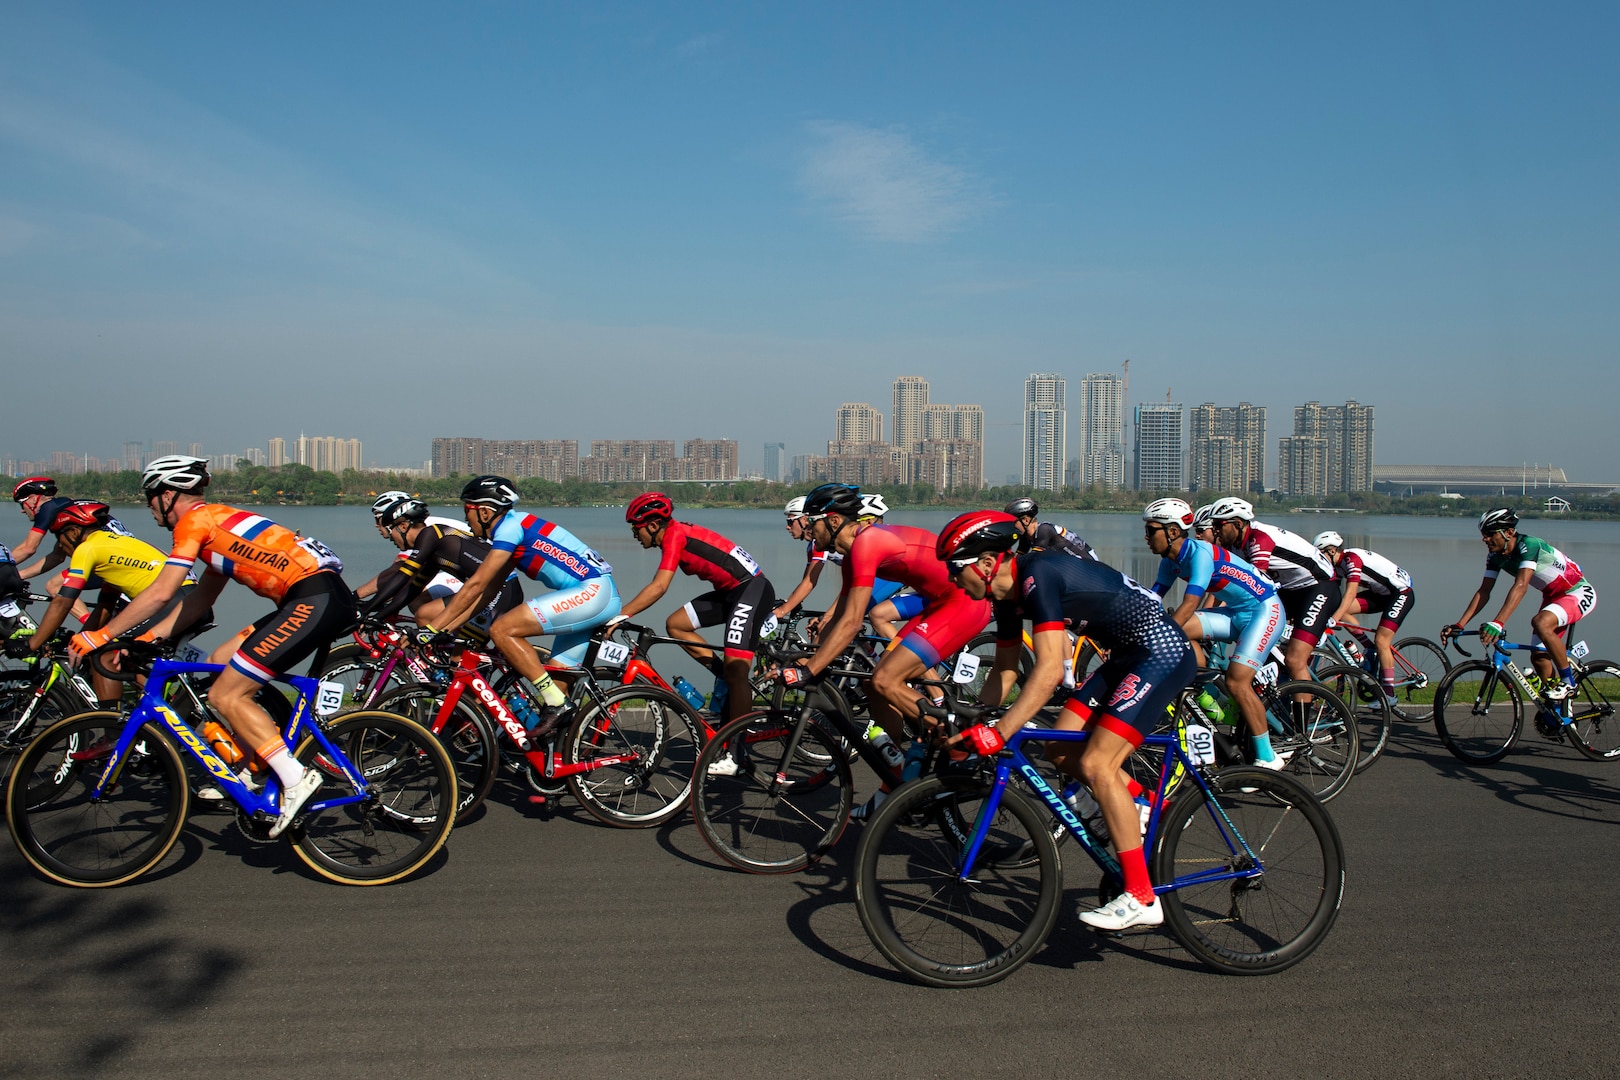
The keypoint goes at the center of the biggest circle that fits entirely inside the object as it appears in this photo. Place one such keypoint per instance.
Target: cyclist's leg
(570, 614)
(940, 630)
(887, 609)
(1389, 624)
(751, 603)
(1309, 610)
(1550, 625)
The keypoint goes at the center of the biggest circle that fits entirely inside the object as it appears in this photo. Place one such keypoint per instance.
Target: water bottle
(1532, 678)
(911, 768)
(718, 699)
(885, 746)
(1211, 707)
(689, 693)
(217, 737)
(523, 709)
(1082, 803)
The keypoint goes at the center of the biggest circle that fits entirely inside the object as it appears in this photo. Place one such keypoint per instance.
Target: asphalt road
(1478, 938)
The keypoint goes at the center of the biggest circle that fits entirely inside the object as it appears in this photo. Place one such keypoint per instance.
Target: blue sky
(394, 221)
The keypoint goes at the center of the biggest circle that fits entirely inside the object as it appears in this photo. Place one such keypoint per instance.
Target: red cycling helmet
(34, 485)
(82, 514)
(649, 507)
(967, 536)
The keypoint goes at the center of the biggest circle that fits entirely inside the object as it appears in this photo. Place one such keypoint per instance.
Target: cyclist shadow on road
(1535, 775)
(824, 919)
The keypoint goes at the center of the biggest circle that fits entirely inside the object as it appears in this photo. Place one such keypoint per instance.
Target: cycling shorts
(1571, 607)
(1135, 686)
(742, 608)
(313, 611)
(1394, 609)
(1310, 608)
(943, 627)
(572, 614)
(510, 596)
(442, 587)
(1254, 630)
(884, 590)
(909, 605)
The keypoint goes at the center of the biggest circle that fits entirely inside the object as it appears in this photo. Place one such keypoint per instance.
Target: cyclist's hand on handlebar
(20, 645)
(1489, 632)
(615, 621)
(1449, 631)
(436, 639)
(86, 642)
(985, 739)
(794, 675)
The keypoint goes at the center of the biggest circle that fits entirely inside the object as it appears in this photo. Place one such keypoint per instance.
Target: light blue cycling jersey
(546, 551)
(1207, 568)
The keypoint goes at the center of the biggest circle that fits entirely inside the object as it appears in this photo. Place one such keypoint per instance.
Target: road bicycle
(99, 798)
(1420, 664)
(959, 880)
(1479, 706)
(38, 692)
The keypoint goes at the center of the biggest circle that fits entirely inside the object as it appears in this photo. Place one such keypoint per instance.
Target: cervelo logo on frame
(492, 701)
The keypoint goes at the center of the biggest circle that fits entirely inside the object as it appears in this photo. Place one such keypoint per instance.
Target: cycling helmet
(1024, 507)
(34, 485)
(175, 472)
(488, 490)
(842, 499)
(872, 505)
(406, 509)
(84, 514)
(1497, 520)
(386, 501)
(967, 536)
(648, 507)
(1230, 508)
(1169, 512)
(1204, 517)
(794, 508)
(1329, 539)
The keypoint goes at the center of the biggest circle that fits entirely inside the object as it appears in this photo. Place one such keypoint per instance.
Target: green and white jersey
(1555, 573)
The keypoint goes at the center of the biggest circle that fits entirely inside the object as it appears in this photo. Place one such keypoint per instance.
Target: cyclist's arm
(50, 562)
(1477, 601)
(1003, 673)
(650, 593)
(1199, 573)
(801, 592)
(391, 590)
(52, 619)
(485, 582)
(837, 634)
(25, 550)
(1051, 653)
(361, 592)
(1347, 606)
(151, 600)
(1521, 585)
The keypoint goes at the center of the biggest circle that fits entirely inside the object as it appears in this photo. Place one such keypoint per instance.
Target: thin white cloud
(883, 185)
(694, 47)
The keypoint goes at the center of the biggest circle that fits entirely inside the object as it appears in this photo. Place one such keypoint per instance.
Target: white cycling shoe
(1124, 912)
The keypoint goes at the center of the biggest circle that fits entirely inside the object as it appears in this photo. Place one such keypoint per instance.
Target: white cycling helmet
(176, 472)
(1329, 539)
(1169, 512)
(1228, 509)
(1204, 517)
(872, 505)
(387, 501)
(794, 508)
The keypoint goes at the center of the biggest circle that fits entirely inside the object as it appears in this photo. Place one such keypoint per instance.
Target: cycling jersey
(1049, 536)
(1371, 573)
(704, 553)
(51, 507)
(126, 564)
(1554, 573)
(236, 544)
(547, 552)
(897, 553)
(1286, 558)
(10, 580)
(881, 590)
(438, 550)
(1206, 567)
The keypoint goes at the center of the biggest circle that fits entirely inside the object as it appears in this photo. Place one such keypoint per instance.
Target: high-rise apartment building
(134, 456)
(1302, 465)
(276, 453)
(1102, 431)
(1228, 447)
(1160, 447)
(1045, 419)
(910, 399)
(774, 453)
(857, 421)
(327, 453)
(254, 456)
(1347, 432)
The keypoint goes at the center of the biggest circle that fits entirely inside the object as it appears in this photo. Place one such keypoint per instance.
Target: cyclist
(442, 585)
(1304, 578)
(1251, 615)
(1566, 596)
(890, 604)
(1149, 662)
(302, 577)
(36, 497)
(1372, 584)
(1045, 535)
(430, 552)
(1203, 526)
(582, 595)
(741, 599)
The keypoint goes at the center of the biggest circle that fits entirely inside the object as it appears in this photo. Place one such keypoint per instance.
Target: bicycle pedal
(537, 800)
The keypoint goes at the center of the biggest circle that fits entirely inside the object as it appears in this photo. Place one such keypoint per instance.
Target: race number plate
(1266, 675)
(967, 668)
(329, 698)
(612, 655)
(9, 609)
(190, 654)
(1579, 651)
(1200, 744)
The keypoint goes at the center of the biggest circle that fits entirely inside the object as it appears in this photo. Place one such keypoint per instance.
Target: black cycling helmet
(403, 510)
(34, 485)
(842, 499)
(967, 536)
(1496, 520)
(489, 490)
(1022, 507)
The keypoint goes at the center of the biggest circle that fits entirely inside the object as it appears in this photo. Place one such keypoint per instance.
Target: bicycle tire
(406, 819)
(1365, 696)
(1482, 726)
(1414, 655)
(1250, 926)
(1319, 740)
(663, 734)
(1593, 727)
(96, 844)
(763, 831)
(468, 736)
(16, 695)
(984, 647)
(935, 928)
(358, 677)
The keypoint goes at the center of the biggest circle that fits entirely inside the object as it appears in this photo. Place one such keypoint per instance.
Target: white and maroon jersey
(1286, 558)
(1371, 573)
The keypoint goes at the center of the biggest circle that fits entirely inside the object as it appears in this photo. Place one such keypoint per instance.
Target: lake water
(1443, 555)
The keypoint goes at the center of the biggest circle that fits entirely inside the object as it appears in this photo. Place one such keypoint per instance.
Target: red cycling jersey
(705, 554)
(897, 553)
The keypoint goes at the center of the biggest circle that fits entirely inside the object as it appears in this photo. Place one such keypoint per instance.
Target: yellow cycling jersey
(123, 562)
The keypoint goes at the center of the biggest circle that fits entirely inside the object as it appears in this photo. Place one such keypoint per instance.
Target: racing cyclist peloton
(1251, 615)
(1304, 578)
(36, 497)
(583, 595)
(303, 578)
(1044, 535)
(1566, 596)
(1372, 584)
(741, 600)
(889, 605)
(1149, 662)
(900, 553)
(430, 601)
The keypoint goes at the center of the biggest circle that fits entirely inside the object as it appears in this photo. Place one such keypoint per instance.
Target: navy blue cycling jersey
(1056, 590)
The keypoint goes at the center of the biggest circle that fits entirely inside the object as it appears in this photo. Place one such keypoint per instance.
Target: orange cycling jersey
(254, 550)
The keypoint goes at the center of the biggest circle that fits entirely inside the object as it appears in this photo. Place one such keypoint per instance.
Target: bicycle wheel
(1258, 925)
(468, 736)
(929, 923)
(360, 676)
(1318, 738)
(22, 714)
(984, 647)
(1477, 712)
(1420, 664)
(76, 840)
(763, 811)
(642, 744)
(1593, 727)
(409, 807)
(1365, 697)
